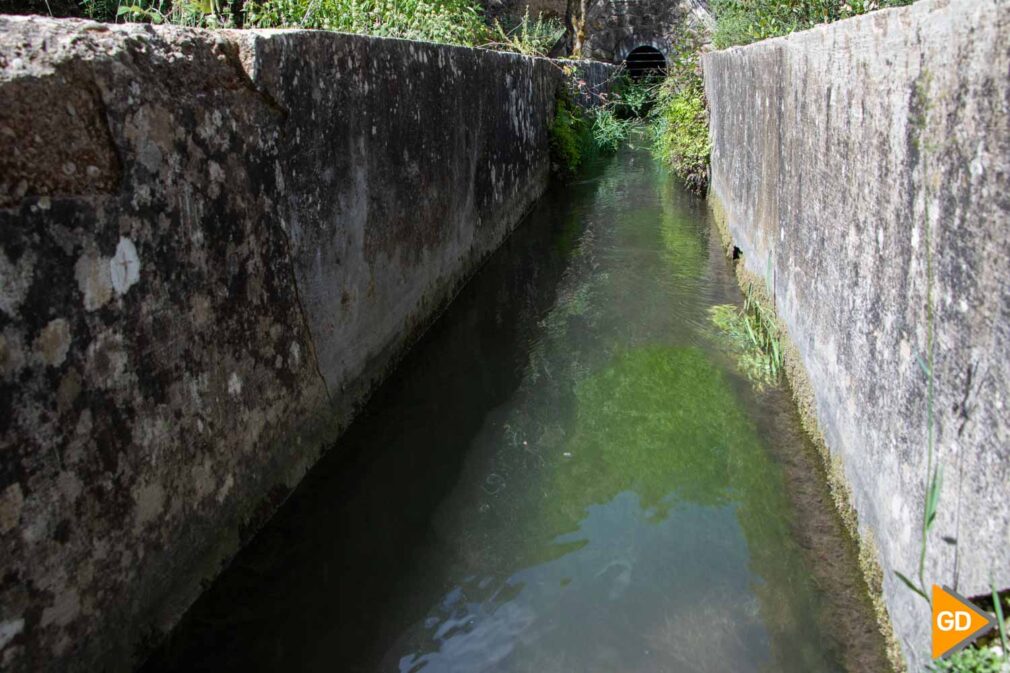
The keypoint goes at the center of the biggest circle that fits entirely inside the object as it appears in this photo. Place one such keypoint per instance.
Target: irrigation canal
(568, 473)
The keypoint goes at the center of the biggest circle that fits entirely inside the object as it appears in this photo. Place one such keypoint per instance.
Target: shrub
(579, 132)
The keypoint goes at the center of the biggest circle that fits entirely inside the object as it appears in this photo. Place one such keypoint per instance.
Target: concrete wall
(864, 169)
(610, 29)
(212, 246)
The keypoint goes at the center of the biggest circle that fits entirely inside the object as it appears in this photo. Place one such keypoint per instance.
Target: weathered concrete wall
(610, 29)
(864, 168)
(212, 245)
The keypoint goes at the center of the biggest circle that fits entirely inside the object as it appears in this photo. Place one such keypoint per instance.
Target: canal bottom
(567, 474)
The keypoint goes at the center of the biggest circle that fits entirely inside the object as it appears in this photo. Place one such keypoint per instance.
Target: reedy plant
(754, 334)
(532, 37)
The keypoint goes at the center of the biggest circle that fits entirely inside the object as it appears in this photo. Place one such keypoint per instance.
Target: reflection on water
(566, 475)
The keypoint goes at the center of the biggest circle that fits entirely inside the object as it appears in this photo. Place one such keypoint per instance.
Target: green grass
(444, 21)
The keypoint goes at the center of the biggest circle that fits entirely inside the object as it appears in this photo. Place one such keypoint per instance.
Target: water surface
(567, 474)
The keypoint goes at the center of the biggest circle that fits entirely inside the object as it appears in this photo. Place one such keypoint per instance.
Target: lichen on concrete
(212, 246)
(862, 167)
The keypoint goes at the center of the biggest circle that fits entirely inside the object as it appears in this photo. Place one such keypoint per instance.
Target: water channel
(567, 474)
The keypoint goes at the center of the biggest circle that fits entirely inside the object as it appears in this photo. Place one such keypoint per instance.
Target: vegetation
(979, 658)
(680, 130)
(754, 334)
(634, 99)
(678, 117)
(532, 37)
(578, 133)
(746, 21)
(973, 660)
(452, 21)
(571, 136)
(445, 21)
(932, 500)
(200, 13)
(609, 130)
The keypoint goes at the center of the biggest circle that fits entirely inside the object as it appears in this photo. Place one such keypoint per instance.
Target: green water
(567, 474)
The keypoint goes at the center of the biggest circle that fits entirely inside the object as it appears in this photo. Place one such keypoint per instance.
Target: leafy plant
(680, 132)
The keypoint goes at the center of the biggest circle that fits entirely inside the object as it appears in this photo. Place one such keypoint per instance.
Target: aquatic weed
(609, 131)
(754, 333)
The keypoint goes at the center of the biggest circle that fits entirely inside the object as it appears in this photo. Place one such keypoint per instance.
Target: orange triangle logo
(956, 622)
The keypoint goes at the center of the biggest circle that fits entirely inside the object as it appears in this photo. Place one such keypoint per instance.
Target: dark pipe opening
(645, 62)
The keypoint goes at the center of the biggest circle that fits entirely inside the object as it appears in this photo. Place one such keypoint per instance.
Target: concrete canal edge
(214, 246)
(860, 167)
(802, 393)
